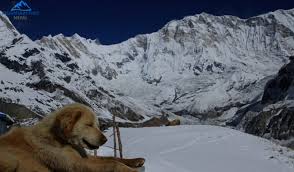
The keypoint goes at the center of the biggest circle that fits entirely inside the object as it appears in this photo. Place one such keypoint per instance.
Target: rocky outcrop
(277, 123)
(18, 112)
(273, 116)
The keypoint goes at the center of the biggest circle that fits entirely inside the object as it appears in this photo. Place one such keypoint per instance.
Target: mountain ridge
(199, 67)
(266, 33)
(203, 13)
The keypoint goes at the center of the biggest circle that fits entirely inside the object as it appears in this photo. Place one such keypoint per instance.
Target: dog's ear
(64, 122)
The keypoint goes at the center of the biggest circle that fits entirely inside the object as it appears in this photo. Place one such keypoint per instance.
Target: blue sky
(113, 21)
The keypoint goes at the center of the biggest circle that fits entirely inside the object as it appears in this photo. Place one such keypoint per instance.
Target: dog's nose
(103, 140)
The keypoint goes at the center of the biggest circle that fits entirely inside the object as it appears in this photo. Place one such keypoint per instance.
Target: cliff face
(273, 116)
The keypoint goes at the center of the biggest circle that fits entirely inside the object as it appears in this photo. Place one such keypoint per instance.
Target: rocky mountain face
(273, 115)
(202, 67)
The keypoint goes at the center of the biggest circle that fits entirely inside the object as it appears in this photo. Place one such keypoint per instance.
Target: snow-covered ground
(203, 149)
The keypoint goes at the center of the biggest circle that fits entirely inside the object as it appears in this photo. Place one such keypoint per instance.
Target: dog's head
(76, 124)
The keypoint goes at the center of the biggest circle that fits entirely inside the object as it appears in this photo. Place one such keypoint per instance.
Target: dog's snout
(103, 140)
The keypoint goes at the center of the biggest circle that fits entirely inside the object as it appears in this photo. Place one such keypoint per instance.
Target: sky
(114, 21)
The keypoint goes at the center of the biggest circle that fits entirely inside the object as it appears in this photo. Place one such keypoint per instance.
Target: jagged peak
(284, 11)
(290, 10)
(76, 35)
(7, 24)
(59, 36)
(279, 11)
(172, 25)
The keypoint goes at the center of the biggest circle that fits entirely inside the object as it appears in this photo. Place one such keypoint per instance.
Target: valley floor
(202, 148)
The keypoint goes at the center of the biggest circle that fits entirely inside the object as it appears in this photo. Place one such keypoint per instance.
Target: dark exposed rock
(151, 81)
(16, 40)
(52, 87)
(31, 52)
(109, 73)
(63, 57)
(38, 69)
(43, 85)
(106, 92)
(219, 65)
(95, 71)
(272, 27)
(94, 94)
(124, 112)
(278, 88)
(17, 111)
(142, 41)
(209, 68)
(13, 65)
(67, 79)
(15, 89)
(174, 122)
(73, 66)
(275, 123)
(197, 69)
(36, 66)
(212, 114)
(271, 117)
(125, 60)
(132, 57)
(242, 112)
(155, 122)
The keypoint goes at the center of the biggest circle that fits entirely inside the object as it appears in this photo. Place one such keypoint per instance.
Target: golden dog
(57, 144)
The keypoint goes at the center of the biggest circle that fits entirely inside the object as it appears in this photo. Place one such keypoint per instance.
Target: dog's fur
(57, 144)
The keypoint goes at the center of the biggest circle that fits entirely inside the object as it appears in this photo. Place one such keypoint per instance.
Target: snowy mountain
(201, 65)
(43, 80)
(202, 148)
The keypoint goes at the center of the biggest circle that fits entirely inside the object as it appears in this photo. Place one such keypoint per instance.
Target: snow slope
(204, 149)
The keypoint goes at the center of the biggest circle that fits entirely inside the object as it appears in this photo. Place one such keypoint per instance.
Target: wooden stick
(119, 142)
(109, 147)
(114, 135)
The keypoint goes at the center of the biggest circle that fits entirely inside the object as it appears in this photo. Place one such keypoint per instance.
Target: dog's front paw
(123, 168)
(139, 162)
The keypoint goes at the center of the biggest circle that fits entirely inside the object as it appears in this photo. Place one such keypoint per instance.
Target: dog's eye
(89, 125)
